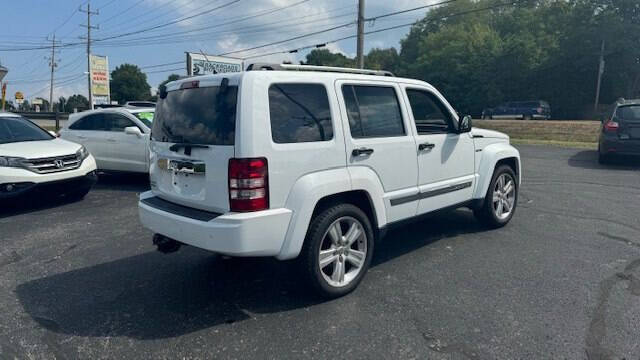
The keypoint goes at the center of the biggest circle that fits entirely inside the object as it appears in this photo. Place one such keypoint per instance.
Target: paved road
(81, 280)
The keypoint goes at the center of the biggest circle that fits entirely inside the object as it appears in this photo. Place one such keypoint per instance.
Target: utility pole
(53, 64)
(89, 27)
(360, 48)
(600, 71)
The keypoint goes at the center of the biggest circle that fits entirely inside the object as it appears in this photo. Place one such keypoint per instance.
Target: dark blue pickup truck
(525, 110)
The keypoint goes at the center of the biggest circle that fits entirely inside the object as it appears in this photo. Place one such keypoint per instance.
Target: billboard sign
(99, 76)
(202, 64)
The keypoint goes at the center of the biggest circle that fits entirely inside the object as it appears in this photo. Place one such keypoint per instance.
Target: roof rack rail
(292, 67)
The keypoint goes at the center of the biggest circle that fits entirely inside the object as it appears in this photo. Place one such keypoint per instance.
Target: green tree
(60, 104)
(324, 57)
(128, 83)
(382, 59)
(76, 101)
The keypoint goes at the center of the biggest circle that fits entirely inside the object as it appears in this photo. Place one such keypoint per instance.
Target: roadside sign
(19, 95)
(202, 64)
(100, 79)
(37, 101)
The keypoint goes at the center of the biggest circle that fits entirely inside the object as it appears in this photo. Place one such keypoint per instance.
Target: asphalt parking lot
(562, 280)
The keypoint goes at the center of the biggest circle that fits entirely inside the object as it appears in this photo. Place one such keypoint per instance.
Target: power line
(383, 29)
(171, 22)
(122, 12)
(290, 39)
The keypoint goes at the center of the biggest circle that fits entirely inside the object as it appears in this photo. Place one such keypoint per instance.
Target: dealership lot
(562, 280)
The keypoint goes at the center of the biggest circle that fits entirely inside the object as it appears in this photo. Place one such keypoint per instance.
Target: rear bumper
(259, 233)
(619, 146)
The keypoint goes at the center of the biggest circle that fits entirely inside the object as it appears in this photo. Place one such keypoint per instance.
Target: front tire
(337, 250)
(501, 200)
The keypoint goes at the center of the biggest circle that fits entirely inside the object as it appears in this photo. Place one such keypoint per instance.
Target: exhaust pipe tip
(166, 245)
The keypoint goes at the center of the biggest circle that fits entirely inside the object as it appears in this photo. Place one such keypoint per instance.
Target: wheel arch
(493, 156)
(314, 192)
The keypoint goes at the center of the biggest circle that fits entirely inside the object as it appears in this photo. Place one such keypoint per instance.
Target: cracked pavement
(562, 280)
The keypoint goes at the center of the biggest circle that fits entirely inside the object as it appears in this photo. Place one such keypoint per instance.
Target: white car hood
(39, 149)
(491, 134)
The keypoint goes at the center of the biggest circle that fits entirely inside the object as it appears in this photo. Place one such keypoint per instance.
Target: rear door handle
(112, 140)
(81, 137)
(425, 146)
(362, 152)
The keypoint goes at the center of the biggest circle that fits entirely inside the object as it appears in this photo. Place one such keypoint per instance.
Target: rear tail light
(539, 110)
(248, 184)
(611, 126)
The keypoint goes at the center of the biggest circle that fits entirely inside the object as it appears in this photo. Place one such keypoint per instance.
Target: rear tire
(603, 159)
(337, 250)
(501, 200)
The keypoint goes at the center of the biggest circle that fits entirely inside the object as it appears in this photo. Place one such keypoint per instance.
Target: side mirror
(133, 130)
(465, 124)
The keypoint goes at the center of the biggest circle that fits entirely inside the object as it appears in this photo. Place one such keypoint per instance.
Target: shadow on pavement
(155, 296)
(588, 159)
(133, 182)
(27, 203)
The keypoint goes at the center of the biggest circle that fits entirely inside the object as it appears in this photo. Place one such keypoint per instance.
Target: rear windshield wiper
(187, 147)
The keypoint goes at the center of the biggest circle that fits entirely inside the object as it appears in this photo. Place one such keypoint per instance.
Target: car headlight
(82, 153)
(8, 161)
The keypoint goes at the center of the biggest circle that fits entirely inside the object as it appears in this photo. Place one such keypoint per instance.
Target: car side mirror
(465, 124)
(133, 130)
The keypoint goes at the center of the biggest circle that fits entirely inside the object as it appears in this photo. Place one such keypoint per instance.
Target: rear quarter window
(299, 113)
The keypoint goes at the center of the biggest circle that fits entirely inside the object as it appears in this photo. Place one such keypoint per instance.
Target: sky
(156, 32)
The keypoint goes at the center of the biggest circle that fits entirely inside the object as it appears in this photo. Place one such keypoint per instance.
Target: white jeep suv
(33, 160)
(315, 163)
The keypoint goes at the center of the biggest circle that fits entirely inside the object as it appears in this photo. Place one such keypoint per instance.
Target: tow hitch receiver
(166, 245)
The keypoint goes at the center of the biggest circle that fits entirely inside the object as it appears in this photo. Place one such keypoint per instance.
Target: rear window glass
(204, 115)
(299, 113)
(16, 129)
(629, 113)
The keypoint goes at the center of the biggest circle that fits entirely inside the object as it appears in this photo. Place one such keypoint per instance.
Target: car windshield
(17, 129)
(204, 115)
(629, 113)
(145, 116)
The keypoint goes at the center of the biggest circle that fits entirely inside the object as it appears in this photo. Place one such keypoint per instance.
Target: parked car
(620, 131)
(118, 138)
(315, 163)
(32, 160)
(525, 110)
(146, 104)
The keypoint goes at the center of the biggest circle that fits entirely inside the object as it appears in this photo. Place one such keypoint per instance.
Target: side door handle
(81, 137)
(362, 152)
(425, 146)
(112, 140)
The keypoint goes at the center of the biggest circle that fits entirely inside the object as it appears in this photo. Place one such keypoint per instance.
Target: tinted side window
(428, 111)
(373, 111)
(116, 122)
(299, 113)
(90, 122)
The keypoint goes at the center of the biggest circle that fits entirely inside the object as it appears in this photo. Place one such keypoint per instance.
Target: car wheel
(501, 199)
(603, 159)
(337, 250)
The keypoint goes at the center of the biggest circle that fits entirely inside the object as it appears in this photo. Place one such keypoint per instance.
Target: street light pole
(3, 73)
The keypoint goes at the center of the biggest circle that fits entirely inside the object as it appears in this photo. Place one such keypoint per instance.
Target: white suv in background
(315, 163)
(31, 160)
(118, 138)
